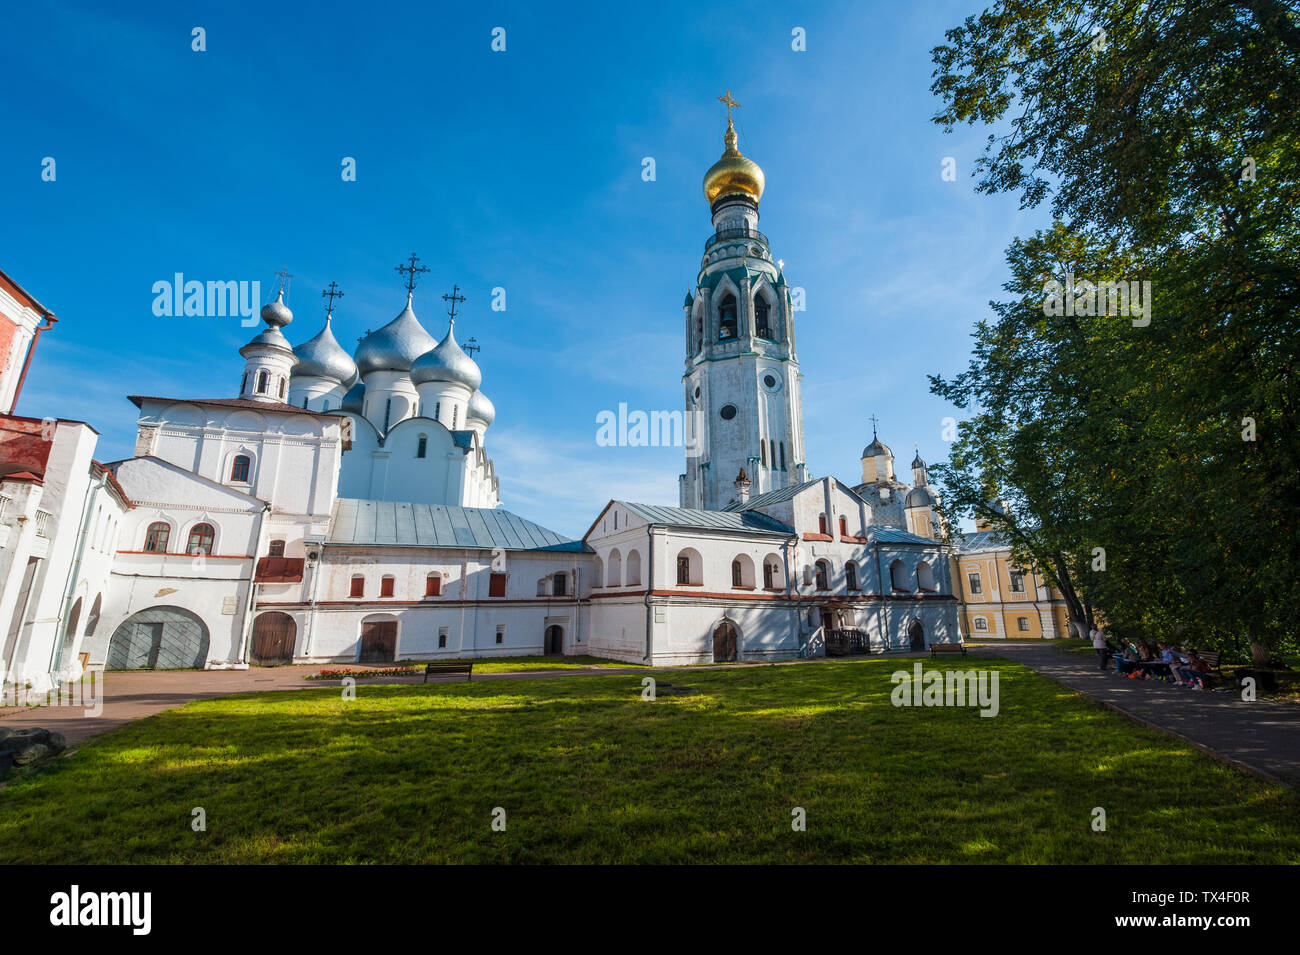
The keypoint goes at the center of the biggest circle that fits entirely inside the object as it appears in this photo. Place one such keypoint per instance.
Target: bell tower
(742, 384)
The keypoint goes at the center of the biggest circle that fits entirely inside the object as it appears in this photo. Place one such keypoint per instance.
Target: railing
(840, 643)
(722, 235)
(43, 519)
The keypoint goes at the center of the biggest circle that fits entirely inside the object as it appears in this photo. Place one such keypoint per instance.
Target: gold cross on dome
(730, 103)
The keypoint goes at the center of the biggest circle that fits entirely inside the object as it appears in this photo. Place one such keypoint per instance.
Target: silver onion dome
(276, 313)
(323, 357)
(447, 362)
(919, 497)
(917, 462)
(480, 409)
(395, 346)
(355, 399)
(875, 448)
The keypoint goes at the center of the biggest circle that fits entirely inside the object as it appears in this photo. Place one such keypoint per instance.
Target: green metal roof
(397, 523)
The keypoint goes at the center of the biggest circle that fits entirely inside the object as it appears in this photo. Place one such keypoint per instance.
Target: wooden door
(378, 642)
(554, 639)
(724, 643)
(916, 635)
(274, 634)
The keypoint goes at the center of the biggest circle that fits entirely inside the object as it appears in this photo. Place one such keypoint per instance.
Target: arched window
(239, 468)
(844, 526)
(433, 585)
(783, 456)
(771, 444)
(823, 575)
(633, 569)
(388, 412)
(742, 572)
(614, 572)
(156, 537)
(773, 576)
(261, 382)
(699, 331)
(243, 384)
(200, 542)
(727, 317)
(762, 451)
(282, 381)
(386, 585)
(898, 576)
(277, 549)
(560, 585)
(761, 313)
(358, 588)
(437, 411)
(690, 568)
(925, 577)
(421, 445)
(851, 575)
(821, 524)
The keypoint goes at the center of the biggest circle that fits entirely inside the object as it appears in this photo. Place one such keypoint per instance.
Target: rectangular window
(421, 446)
(501, 633)
(767, 576)
(821, 523)
(683, 570)
(433, 586)
(975, 586)
(1017, 581)
(844, 527)
(386, 587)
(1023, 624)
(277, 548)
(497, 585)
(358, 587)
(561, 585)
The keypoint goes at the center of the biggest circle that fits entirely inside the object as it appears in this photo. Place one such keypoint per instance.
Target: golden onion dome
(733, 174)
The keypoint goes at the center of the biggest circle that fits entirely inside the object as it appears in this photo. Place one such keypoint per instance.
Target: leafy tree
(1163, 136)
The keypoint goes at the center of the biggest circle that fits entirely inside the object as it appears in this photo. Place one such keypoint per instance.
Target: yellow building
(1000, 600)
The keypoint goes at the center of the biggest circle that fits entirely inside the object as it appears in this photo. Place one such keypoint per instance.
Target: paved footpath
(1260, 736)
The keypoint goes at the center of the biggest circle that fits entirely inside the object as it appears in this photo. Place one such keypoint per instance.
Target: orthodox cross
(411, 271)
(730, 103)
(873, 426)
(284, 275)
(331, 293)
(453, 298)
(471, 346)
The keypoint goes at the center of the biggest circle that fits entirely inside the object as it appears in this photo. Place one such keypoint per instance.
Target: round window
(769, 380)
(697, 391)
(771, 383)
(728, 412)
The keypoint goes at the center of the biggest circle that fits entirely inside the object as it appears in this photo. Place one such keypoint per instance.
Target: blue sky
(519, 169)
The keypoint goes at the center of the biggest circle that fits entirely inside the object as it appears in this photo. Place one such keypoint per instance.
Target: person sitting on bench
(1126, 660)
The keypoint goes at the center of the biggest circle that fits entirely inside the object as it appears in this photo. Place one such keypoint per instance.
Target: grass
(588, 772)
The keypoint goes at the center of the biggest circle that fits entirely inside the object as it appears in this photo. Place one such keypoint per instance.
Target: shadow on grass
(588, 772)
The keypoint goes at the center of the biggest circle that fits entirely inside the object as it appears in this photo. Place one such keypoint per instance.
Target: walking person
(1101, 645)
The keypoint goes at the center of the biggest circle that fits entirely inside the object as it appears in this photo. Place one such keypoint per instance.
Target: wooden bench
(1214, 660)
(465, 668)
(937, 648)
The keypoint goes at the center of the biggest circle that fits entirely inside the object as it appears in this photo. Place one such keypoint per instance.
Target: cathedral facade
(343, 507)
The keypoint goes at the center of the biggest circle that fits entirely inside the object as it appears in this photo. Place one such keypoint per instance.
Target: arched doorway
(916, 636)
(554, 639)
(378, 642)
(725, 641)
(160, 638)
(274, 635)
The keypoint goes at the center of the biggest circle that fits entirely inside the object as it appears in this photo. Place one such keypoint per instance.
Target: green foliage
(1100, 432)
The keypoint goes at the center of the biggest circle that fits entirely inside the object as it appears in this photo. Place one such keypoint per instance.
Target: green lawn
(588, 772)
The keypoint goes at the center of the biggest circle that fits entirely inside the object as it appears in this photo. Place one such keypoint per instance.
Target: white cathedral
(343, 508)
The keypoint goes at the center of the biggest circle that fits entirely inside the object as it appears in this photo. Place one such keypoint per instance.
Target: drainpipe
(785, 559)
(251, 606)
(74, 571)
(318, 567)
(649, 587)
(49, 321)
